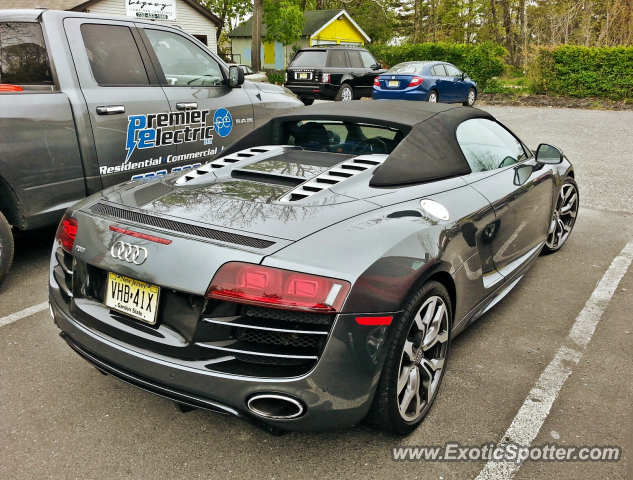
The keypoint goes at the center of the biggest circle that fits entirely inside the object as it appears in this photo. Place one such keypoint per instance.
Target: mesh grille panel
(290, 316)
(285, 339)
(180, 227)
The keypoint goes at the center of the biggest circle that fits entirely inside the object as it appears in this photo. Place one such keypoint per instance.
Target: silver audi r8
(314, 273)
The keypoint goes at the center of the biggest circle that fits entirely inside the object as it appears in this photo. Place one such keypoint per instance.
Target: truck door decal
(146, 131)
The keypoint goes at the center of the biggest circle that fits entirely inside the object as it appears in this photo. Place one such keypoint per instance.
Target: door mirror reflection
(522, 174)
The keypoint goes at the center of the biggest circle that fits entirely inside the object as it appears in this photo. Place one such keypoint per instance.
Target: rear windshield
(309, 58)
(341, 137)
(23, 56)
(407, 68)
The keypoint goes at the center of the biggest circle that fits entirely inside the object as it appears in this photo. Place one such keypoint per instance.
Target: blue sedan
(425, 81)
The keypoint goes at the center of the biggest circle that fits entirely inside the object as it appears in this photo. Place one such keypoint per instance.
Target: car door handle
(186, 106)
(111, 110)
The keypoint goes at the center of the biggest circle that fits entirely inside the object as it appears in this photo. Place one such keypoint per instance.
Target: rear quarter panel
(387, 253)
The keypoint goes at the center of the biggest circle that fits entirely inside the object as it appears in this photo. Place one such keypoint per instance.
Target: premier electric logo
(223, 122)
(154, 130)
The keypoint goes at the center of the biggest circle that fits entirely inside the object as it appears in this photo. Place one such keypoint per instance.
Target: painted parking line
(529, 420)
(24, 313)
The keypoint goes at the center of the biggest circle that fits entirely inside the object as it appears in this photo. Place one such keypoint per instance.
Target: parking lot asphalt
(60, 418)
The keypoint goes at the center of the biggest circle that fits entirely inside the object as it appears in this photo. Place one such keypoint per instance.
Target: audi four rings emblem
(128, 252)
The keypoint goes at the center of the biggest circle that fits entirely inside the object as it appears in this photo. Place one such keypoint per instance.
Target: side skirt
(491, 300)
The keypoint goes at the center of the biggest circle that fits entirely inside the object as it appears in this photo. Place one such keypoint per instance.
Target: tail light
(276, 288)
(286, 77)
(10, 88)
(415, 81)
(325, 77)
(66, 233)
(376, 82)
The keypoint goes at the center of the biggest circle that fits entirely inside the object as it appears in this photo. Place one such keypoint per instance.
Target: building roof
(315, 20)
(81, 5)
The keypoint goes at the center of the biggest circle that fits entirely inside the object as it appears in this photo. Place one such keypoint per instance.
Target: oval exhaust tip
(275, 406)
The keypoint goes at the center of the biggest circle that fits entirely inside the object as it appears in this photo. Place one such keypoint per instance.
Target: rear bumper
(318, 91)
(412, 94)
(337, 393)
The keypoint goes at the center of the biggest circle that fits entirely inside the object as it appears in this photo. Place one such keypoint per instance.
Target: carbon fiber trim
(180, 227)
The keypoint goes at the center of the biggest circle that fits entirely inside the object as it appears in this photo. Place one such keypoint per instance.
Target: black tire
(430, 97)
(345, 93)
(470, 100)
(307, 101)
(563, 220)
(6, 247)
(385, 410)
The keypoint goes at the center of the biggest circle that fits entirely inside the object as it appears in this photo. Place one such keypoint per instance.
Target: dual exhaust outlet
(275, 406)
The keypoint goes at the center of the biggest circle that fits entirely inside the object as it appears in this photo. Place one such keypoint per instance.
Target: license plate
(303, 75)
(394, 83)
(132, 297)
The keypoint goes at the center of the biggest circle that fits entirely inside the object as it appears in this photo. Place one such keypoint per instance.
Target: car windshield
(309, 58)
(341, 137)
(406, 68)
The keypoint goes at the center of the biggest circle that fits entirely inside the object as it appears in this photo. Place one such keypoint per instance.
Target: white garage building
(189, 15)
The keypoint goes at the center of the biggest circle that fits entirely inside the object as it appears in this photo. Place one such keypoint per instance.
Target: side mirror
(375, 66)
(464, 76)
(548, 154)
(236, 76)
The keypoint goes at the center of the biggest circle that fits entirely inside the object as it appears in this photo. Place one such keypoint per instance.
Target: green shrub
(481, 61)
(583, 72)
(276, 76)
(495, 86)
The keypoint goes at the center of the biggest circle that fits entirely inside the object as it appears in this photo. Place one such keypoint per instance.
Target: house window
(202, 38)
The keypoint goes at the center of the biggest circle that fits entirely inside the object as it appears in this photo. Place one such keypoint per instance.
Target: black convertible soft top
(429, 150)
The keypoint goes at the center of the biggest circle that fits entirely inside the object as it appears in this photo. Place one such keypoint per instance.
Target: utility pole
(256, 33)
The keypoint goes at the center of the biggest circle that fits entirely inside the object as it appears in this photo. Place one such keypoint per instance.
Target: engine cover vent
(231, 159)
(333, 176)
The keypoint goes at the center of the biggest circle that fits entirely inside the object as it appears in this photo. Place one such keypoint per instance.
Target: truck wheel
(6, 247)
(345, 94)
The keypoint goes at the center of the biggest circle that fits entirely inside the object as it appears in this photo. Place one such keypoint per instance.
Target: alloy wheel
(432, 97)
(346, 95)
(422, 360)
(471, 98)
(564, 217)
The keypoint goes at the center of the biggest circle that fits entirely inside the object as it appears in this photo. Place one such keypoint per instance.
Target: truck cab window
(23, 56)
(114, 56)
(183, 62)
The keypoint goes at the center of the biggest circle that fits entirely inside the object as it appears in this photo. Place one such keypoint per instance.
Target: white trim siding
(187, 18)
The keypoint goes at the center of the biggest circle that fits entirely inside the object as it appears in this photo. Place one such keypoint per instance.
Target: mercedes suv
(332, 72)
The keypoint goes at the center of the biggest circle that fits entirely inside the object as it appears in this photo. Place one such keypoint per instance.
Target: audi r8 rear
(315, 273)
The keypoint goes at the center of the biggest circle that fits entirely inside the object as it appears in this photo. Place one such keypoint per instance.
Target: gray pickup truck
(89, 101)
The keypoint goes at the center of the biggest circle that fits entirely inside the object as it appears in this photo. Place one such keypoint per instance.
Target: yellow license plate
(132, 297)
(303, 75)
(394, 83)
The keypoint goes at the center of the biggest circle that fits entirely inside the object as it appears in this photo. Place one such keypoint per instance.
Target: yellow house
(322, 27)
